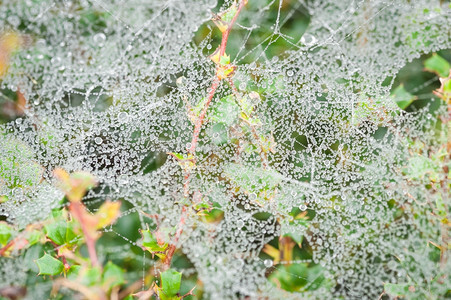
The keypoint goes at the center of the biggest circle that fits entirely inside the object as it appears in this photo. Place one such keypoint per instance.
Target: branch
(196, 132)
(77, 209)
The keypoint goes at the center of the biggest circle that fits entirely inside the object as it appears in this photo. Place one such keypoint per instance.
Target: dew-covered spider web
(307, 142)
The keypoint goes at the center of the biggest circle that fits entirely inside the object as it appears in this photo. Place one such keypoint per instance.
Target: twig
(172, 247)
(196, 132)
(77, 209)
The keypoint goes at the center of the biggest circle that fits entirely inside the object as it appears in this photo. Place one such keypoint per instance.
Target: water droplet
(18, 193)
(240, 223)
(252, 196)
(99, 39)
(308, 39)
(267, 263)
(122, 117)
(290, 73)
(303, 207)
(98, 140)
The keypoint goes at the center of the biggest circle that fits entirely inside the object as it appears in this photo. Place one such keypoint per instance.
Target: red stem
(214, 85)
(6, 247)
(225, 34)
(172, 247)
(196, 132)
(77, 209)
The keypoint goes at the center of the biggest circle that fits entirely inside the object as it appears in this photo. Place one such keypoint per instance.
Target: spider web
(100, 81)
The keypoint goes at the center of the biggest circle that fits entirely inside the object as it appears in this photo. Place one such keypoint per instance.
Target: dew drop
(268, 263)
(308, 39)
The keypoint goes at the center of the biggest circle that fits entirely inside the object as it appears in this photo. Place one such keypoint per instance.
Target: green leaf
(61, 232)
(396, 290)
(17, 165)
(292, 229)
(225, 111)
(113, 275)
(418, 166)
(150, 243)
(218, 133)
(91, 276)
(48, 265)
(402, 97)
(249, 102)
(197, 109)
(228, 15)
(440, 205)
(299, 277)
(170, 283)
(5, 233)
(73, 272)
(33, 237)
(437, 64)
(56, 232)
(290, 277)
(224, 60)
(252, 179)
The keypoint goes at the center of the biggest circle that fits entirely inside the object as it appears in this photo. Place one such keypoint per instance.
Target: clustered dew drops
(112, 100)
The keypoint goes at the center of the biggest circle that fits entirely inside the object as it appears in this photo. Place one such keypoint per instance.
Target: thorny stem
(196, 132)
(56, 246)
(76, 208)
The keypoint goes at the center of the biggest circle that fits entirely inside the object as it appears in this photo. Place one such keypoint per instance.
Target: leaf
(170, 283)
(402, 97)
(418, 166)
(181, 156)
(48, 265)
(290, 277)
(438, 65)
(225, 111)
(73, 272)
(228, 14)
(397, 290)
(150, 243)
(215, 57)
(5, 233)
(224, 60)
(225, 71)
(33, 237)
(298, 277)
(440, 205)
(249, 102)
(113, 275)
(223, 19)
(90, 276)
(185, 161)
(296, 235)
(252, 179)
(107, 213)
(76, 184)
(56, 232)
(9, 43)
(218, 133)
(17, 165)
(61, 231)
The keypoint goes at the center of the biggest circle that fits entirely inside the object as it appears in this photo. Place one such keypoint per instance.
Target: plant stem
(77, 210)
(173, 245)
(195, 136)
